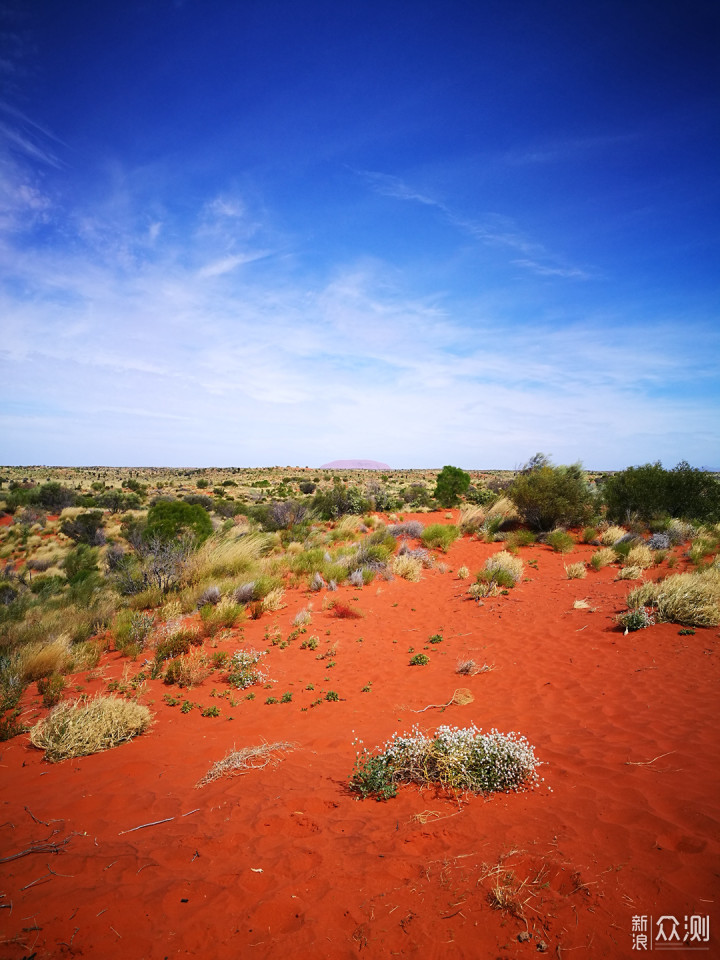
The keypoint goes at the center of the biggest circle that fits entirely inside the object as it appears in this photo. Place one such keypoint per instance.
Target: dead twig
(44, 847)
(143, 825)
(461, 697)
(645, 763)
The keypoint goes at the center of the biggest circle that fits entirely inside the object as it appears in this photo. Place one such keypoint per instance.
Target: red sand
(285, 861)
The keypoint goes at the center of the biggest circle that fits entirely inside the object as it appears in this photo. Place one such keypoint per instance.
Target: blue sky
(259, 233)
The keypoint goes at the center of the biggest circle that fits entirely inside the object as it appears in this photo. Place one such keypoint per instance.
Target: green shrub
(176, 643)
(451, 483)
(169, 519)
(419, 660)
(650, 492)
(547, 496)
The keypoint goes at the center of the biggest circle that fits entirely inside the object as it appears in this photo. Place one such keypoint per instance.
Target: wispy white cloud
(493, 229)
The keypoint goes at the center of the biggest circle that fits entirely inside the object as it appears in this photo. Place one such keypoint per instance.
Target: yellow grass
(576, 571)
(506, 561)
(274, 600)
(471, 518)
(629, 573)
(504, 507)
(603, 558)
(611, 536)
(78, 728)
(641, 556)
(692, 599)
(226, 557)
(409, 568)
(42, 659)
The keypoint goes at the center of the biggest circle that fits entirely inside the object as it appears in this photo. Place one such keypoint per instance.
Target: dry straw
(79, 728)
(248, 758)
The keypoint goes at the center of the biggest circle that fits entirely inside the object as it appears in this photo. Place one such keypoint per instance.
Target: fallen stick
(644, 763)
(143, 825)
(38, 848)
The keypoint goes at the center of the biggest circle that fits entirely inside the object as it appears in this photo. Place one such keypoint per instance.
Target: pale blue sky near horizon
(268, 232)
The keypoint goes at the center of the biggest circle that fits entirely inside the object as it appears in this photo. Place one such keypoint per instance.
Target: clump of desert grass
(247, 758)
(407, 567)
(440, 536)
(630, 572)
(303, 617)
(610, 536)
(576, 571)
(188, 670)
(78, 728)
(603, 558)
(463, 573)
(507, 562)
(226, 556)
(690, 599)
(641, 556)
(503, 508)
(679, 531)
(471, 518)
(42, 659)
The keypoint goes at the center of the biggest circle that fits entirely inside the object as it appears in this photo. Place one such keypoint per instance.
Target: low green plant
(436, 638)
(458, 759)
(560, 540)
(210, 712)
(244, 671)
(440, 536)
(637, 619)
(51, 689)
(331, 695)
(419, 660)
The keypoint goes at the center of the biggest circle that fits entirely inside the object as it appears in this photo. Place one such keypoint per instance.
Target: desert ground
(127, 853)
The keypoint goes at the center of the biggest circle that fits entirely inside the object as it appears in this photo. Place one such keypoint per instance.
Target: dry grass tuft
(407, 567)
(603, 558)
(273, 600)
(610, 537)
(692, 599)
(505, 508)
(629, 573)
(248, 758)
(469, 668)
(226, 557)
(507, 562)
(576, 571)
(471, 518)
(463, 573)
(43, 659)
(78, 728)
(641, 556)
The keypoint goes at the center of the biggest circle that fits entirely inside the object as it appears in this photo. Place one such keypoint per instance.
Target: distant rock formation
(355, 465)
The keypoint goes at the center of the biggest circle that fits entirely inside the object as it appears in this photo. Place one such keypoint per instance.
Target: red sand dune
(285, 861)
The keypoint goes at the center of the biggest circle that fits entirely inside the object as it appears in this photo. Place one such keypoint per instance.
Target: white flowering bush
(243, 671)
(461, 759)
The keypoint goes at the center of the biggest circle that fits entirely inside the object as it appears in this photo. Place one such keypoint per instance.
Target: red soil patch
(285, 861)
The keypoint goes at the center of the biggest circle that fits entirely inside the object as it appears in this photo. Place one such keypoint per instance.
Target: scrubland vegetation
(154, 564)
